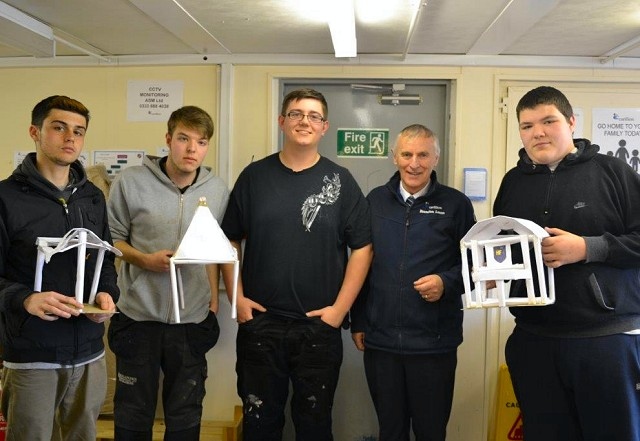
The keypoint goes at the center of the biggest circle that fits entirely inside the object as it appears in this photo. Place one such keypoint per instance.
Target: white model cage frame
(491, 261)
(80, 238)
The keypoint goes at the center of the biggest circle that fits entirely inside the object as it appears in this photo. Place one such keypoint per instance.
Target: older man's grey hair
(418, 131)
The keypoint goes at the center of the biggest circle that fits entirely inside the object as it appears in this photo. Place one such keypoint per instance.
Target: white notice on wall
(18, 157)
(475, 183)
(117, 160)
(149, 100)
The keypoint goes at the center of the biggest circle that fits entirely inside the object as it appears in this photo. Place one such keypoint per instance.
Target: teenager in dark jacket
(408, 317)
(54, 367)
(574, 364)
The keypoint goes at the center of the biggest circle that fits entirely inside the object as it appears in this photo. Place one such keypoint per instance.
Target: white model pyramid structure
(491, 262)
(203, 243)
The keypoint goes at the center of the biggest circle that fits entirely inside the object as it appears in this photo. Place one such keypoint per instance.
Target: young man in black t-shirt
(299, 213)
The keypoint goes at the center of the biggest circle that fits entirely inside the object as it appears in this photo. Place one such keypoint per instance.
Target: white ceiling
(530, 32)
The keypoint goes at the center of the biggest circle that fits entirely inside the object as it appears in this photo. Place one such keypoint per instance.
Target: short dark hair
(545, 95)
(60, 102)
(305, 93)
(419, 131)
(191, 117)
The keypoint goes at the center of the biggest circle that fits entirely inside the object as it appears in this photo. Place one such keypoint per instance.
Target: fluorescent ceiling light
(377, 11)
(25, 33)
(342, 25)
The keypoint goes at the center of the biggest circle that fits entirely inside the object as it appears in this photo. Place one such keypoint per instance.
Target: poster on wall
(117, 160)
(149, 100)
(617, 132)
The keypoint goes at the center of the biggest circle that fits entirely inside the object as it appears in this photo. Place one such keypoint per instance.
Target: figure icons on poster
(622, 153)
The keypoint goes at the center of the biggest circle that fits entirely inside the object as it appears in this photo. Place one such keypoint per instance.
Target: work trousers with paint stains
(274, 351)
(143, 349)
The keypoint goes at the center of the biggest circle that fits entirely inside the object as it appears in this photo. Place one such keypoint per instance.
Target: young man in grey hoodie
(150, 209)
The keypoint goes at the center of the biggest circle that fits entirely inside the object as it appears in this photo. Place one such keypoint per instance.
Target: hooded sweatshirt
(597, 197)
(32, 207)
(150, 213)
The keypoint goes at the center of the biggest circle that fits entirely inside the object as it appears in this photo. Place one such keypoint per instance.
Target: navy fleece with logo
(389, 310)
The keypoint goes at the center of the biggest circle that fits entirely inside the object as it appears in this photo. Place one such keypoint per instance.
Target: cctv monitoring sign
(363, 143)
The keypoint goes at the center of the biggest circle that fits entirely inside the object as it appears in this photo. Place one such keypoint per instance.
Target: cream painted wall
(104, 91)
(478, 139)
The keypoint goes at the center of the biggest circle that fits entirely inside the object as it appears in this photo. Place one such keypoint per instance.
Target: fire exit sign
(363, 143)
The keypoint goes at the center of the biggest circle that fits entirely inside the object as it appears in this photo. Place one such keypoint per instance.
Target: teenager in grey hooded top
(147, 295)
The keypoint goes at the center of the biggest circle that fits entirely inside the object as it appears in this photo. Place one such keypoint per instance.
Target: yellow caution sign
(508, 417)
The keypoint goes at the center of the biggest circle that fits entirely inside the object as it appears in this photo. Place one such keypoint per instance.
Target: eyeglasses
(313, 118)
